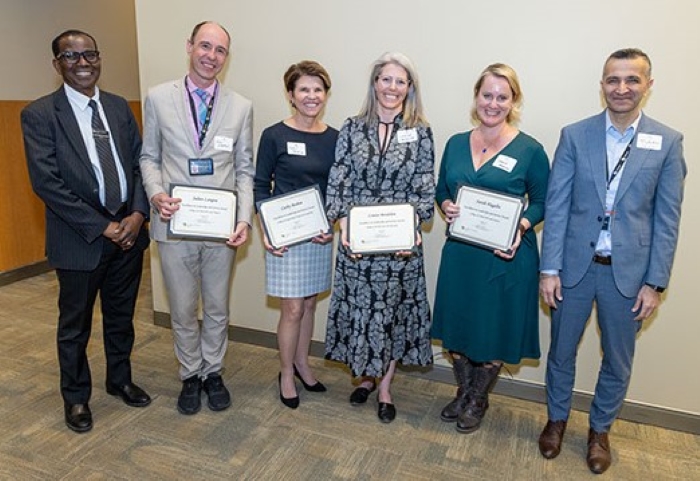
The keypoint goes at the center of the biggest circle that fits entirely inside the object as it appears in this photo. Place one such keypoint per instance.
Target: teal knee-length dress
(486, 307)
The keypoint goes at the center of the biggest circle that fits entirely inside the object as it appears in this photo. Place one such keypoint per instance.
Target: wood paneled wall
(22, 224)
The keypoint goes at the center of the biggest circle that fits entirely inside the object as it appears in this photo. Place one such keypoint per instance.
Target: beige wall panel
(29, 26)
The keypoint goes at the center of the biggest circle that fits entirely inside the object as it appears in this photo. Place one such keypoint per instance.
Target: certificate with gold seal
(204, 213)
(487, 218)
(294, 217)
(381, 228)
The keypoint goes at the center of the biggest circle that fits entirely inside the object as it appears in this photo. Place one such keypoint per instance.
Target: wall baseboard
(24, 272)
(631, 411)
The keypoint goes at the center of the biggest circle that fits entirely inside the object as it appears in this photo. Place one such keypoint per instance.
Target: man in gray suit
(610, 233)
(198, 133)
(95, 232)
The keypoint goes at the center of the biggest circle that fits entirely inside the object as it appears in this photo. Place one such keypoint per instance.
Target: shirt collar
(78, 99)
(211, 90)
(610, 128)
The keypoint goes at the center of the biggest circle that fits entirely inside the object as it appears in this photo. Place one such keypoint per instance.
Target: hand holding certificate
(204, 213)
(294, 217)
(382, 228)
(487, 219)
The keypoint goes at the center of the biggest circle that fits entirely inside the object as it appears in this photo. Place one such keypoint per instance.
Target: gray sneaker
(219, 397)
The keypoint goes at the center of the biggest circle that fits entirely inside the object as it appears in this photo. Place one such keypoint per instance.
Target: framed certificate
(486, 218)
(294, 217)
(205, 213)
(381, 228)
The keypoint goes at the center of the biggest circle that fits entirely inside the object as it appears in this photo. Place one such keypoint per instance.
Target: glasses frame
(76, 56)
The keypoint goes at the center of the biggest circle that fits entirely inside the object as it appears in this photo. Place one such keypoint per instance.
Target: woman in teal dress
(486, 302)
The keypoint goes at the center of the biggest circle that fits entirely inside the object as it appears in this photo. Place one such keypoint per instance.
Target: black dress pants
(116, 278)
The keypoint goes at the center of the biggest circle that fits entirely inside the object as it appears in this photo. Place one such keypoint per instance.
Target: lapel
(635, 161)
(66, 119)
(597, 154)
(180, 102)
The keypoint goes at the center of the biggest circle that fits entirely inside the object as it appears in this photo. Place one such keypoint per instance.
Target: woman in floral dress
(379, 313)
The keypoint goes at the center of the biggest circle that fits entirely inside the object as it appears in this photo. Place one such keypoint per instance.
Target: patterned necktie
(113, 196)
(202, 109)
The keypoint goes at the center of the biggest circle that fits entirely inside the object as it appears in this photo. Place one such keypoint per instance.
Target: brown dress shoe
(598, 457)
(551, 437)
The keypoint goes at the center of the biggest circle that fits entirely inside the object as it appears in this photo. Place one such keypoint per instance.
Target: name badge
(201, 166)
(504, 162)
(223, 143)
(296, 148)
(406, 135)
(649, 141)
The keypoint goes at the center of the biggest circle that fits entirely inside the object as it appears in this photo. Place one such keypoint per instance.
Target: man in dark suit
(82, 147)
(610, 233)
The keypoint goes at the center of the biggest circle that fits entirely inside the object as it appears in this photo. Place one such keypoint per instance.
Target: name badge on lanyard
(201, 166)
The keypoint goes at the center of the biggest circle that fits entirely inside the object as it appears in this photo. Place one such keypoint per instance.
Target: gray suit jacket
(168, 143)
(63, 177)
(647, 207)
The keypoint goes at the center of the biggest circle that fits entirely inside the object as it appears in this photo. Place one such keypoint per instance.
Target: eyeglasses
(386, 81)
(71, 58)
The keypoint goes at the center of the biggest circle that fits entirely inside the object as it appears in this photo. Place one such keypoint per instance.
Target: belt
(604, 260)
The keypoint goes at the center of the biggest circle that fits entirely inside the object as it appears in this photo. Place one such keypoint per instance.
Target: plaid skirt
(304, 270)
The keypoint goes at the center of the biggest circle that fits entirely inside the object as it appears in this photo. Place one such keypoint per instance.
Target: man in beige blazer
(198, 133)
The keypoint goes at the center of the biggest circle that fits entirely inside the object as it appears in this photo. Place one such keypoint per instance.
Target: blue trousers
(618, 331)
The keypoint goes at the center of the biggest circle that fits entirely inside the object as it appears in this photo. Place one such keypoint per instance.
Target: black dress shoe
(360, 395)
(290, 402)
(386, 412)
(318, 387)
(78, 417)
(131, 394)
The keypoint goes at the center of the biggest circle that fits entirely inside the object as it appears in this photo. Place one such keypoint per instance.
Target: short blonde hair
(507, 73)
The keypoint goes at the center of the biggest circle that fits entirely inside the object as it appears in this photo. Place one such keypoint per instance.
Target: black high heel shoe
(290, 402)
(318, 387)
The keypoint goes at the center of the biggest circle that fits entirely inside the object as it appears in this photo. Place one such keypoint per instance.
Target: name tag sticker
(296, 148)
(223, 143)
(406, 135)
(649, 141)
(201, 166)
(504, 162)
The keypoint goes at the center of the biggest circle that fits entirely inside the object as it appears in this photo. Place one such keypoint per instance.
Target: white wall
(558, 49)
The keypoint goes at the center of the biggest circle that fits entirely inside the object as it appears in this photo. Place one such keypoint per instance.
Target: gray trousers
(190, 268)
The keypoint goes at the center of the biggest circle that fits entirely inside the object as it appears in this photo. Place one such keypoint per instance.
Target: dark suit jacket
(63, 177)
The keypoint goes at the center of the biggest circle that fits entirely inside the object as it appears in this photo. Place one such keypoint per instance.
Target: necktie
(202, 109)
(113, 196)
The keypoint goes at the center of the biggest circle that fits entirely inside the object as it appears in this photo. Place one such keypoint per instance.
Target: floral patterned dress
(379, 308)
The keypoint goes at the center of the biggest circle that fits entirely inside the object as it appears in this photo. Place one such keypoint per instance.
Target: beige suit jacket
(168, 144)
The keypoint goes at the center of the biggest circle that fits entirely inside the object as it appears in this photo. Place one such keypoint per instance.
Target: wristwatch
(658, 289)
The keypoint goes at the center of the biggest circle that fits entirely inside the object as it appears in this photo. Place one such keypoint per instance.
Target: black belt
(604, 260)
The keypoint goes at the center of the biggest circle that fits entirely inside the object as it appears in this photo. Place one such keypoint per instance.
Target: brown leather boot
(551, 437)
(598, 457)
(483, 378)
(462, 369)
